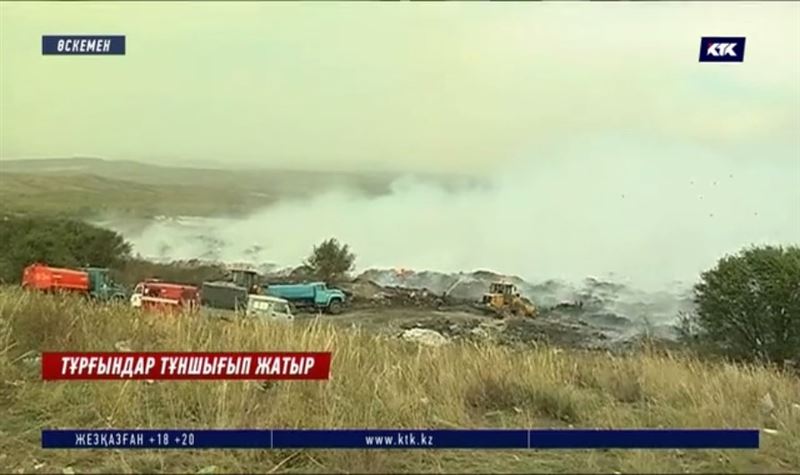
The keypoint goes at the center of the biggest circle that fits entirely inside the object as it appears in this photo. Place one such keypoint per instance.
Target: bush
(330, 261)
(748, 306)
(57, 242)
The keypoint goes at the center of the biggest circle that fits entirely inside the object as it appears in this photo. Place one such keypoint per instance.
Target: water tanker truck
(314, 295)
(92, 281)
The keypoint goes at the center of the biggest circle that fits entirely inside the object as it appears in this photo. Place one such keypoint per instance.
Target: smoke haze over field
(605, 145)
(649, 215)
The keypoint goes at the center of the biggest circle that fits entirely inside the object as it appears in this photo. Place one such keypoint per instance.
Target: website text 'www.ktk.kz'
(420, 439)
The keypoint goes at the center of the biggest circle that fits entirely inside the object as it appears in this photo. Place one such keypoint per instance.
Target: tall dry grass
(375, 382)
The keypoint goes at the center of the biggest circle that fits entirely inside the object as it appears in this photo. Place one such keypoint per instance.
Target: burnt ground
(550, 328)
(553, 327)
(597, 314)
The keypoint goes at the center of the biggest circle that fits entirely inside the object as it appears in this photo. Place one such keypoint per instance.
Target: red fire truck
(155, 295)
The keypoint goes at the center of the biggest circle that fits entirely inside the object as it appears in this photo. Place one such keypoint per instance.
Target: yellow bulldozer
(504, 299)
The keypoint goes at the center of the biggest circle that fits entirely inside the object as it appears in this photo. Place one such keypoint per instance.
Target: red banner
(185, 366)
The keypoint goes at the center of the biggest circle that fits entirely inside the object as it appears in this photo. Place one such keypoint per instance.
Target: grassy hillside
(87, 195)
(84, 187)
(377, 382)
(277, 181)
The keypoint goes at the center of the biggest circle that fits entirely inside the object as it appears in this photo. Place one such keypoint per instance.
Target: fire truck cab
(154, 294)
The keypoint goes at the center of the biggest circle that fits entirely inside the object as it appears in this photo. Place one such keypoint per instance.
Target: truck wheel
(335, 307)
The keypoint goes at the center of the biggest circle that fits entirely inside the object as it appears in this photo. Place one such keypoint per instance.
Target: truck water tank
(43, 277)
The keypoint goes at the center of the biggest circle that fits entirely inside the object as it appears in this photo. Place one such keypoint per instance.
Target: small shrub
(330, 261)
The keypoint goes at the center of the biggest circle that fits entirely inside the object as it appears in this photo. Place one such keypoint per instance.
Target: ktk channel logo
(83, 44)
(722, 49)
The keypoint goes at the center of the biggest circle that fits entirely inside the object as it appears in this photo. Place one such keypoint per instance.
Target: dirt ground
(460, 321)
(471, 326)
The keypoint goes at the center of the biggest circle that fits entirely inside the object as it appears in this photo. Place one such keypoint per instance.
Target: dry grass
(375, 383)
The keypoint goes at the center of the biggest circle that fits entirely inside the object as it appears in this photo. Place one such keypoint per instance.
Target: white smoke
(643, 213)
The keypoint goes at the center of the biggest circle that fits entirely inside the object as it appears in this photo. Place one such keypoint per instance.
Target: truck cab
(155, 294)
(102, 286)
(271, 308)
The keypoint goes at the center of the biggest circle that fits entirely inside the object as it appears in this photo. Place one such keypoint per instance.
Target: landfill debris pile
(364, 292)
(614, 308)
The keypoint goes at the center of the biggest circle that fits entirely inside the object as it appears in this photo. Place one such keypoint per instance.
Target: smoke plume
(642, 213)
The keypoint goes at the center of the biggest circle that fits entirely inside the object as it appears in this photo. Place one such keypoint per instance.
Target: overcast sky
(420, 86)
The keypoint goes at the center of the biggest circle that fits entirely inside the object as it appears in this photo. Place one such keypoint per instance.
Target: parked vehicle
(230, 294)
(155, 295)
(102, 286)
(92, 281)
(223, 295)
(314, 295)
(272, 308)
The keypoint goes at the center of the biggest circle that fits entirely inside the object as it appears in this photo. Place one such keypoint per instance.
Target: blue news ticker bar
(443, 439)
(402, 439)
(645, 439)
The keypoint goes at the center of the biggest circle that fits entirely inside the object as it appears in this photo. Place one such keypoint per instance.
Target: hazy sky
(423, 86)
(608, 147)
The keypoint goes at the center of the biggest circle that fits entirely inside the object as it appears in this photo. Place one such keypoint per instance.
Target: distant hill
(277, 181)
(86, 187)
(274, 181)
(82, 195)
